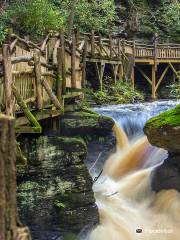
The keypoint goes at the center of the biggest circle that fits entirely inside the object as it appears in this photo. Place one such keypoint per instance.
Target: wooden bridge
(36, 79)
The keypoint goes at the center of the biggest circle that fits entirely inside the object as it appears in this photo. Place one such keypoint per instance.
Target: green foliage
(34, 17)
(175, 90)
(168, 20)
(89, 15)
(37, 17)
(3, 26)
(59, 204)
(118, 93)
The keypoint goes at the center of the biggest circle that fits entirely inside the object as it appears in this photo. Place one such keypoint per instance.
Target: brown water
(125, 200)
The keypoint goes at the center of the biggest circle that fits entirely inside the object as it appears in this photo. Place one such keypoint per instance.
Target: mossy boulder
(164, 130)
(55, 189)
(86, 122)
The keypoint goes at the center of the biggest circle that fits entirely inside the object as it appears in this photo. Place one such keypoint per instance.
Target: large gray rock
(164, 130)
(55, 189)
(167, 176)
(86, 123)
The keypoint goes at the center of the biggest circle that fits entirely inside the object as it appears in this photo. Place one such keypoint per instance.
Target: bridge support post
(153, 82)
(100, 73)
(132, 78)
(121, 72)
(115, 71)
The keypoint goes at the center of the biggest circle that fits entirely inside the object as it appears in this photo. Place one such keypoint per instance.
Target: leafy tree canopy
(36, 17)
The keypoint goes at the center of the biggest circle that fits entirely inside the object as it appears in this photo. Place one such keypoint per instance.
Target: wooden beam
(51, 95)
(144, 75)
(173, 69)
(25, 109)
(39, 115)
(162, 77)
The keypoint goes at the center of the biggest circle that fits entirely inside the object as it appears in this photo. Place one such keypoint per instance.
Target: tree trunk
(71, 17)
(8, 211)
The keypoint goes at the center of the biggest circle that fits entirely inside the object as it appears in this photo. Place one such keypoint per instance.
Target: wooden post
(77, 35)
(8, 210)
(119, 49)
(37, 68)
(110, 46)
(62, 56)
(155, 51)
(59, 74)
(153, 82)
(7, 80)
(73, 62)
(134, 53)
(132, 78)
(84, 55)
(121, 71)
(100, 73)
(92, 44)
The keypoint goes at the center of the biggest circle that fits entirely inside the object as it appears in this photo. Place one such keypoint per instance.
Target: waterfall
(128, 208)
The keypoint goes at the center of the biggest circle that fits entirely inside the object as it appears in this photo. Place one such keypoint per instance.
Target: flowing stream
(128, 208)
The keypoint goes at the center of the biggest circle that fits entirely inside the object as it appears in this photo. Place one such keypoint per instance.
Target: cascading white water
(129, 209)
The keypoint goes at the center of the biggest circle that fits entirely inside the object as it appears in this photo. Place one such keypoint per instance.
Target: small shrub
(118, 93)
(175, 90)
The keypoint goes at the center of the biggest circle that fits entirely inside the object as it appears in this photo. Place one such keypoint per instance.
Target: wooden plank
(7, 79)
(39, 115)
(28, 129)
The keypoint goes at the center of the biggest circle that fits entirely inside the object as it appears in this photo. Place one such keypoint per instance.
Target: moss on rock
(164, 130)
(86, 122)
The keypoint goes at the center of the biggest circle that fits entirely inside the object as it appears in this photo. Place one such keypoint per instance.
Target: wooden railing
(37, 73)
(114, 48)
